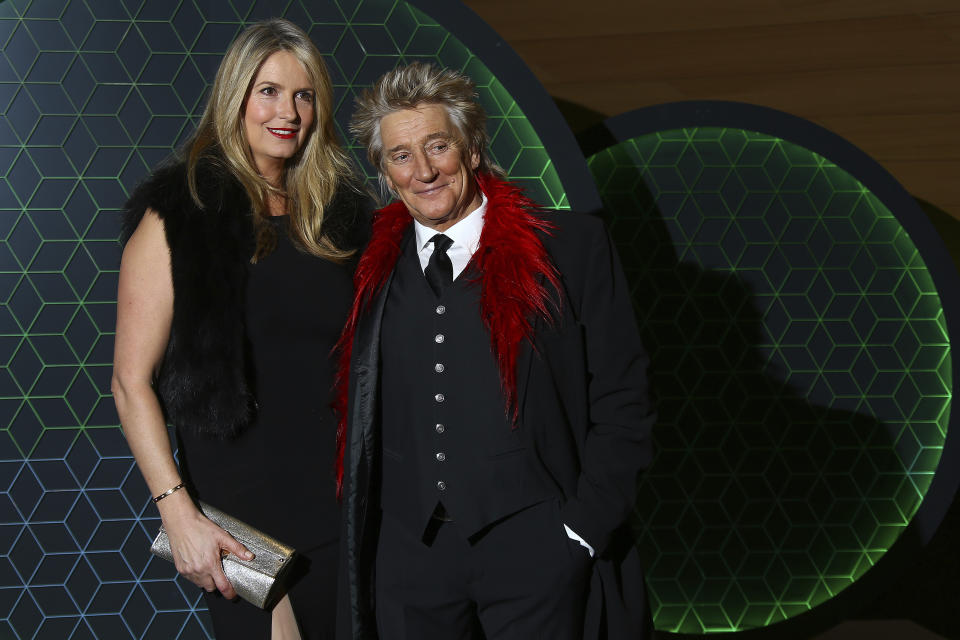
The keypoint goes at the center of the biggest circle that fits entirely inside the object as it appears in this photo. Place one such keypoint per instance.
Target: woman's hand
(198, 544)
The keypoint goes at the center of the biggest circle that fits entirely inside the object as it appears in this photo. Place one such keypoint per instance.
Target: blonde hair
(311, 177)
(417, 84)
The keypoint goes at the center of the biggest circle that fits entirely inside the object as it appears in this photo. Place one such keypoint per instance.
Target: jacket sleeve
(617, 444)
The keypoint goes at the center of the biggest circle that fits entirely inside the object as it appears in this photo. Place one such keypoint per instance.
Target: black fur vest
(203, 381)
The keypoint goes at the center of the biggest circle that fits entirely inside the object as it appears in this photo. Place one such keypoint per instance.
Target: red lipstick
(283, 134)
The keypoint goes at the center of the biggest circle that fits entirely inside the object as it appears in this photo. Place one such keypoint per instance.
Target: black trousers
(523, 578)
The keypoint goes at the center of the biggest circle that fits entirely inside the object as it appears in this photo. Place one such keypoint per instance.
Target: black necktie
(439, 270)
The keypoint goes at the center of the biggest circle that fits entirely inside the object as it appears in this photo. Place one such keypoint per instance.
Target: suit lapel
(524, 362)
(525, 357)
(366, 363)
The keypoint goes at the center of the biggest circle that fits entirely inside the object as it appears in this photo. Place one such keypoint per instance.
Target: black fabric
(278, 473)
(486, 470)
(439, 271)
(524, 579)
(584, 413)
(203, 382)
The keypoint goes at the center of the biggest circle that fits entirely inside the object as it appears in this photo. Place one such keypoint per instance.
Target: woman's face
(279, 113)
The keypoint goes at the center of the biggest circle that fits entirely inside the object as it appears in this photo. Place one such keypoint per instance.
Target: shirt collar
(465, 233)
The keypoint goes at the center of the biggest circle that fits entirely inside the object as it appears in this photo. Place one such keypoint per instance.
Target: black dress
(278, 475)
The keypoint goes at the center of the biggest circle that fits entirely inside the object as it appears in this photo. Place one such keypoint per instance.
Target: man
(496, 408)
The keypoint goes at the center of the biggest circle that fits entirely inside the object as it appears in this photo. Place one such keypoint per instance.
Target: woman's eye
(268, 91)
(306, 96)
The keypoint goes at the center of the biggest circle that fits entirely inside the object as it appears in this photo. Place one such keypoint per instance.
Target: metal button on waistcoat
(438, 338)
(439, 428)
(442, 485)
(439, 397)
(441, 309)
(438, 367)
(441, 456)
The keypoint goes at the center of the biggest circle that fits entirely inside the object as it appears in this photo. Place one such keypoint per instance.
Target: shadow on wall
(947, 226)
(760, 502)
(578, 117)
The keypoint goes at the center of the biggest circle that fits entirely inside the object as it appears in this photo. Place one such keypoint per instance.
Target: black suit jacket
(583, 410)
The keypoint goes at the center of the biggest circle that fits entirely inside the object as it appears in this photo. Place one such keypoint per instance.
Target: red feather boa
(511, 263)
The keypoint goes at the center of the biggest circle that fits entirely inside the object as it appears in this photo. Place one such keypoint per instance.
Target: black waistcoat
(446, 436)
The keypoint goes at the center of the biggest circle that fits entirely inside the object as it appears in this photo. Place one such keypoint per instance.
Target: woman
(234, 284)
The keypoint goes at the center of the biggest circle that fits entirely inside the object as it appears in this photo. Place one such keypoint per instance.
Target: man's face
(426, 165)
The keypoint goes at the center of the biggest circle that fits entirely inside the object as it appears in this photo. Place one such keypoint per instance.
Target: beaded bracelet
(168, 492)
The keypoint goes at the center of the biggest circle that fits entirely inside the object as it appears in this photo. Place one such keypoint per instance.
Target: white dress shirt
(465, 235)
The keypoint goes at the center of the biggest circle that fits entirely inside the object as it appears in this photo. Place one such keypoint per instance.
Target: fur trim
(512, 266)
(204, 382)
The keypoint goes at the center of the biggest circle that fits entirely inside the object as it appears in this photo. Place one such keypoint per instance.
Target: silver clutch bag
(253, 580)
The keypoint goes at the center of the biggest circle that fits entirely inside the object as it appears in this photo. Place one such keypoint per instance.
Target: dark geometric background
(809, 355)
(93, 94)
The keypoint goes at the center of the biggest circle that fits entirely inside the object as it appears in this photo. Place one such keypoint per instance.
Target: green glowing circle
(801, 365)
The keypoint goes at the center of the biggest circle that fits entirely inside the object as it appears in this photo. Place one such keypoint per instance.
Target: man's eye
(439, 147)
(401, 157)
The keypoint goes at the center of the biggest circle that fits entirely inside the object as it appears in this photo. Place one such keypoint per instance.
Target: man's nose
(423, 169)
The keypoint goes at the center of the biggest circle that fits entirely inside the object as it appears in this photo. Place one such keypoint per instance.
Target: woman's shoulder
(166, 192)
(352, 199)
(163, 191)
(348, 215)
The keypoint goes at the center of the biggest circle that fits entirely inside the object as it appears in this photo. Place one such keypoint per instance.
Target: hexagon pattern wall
(92, 94)
(800, 356)
(801, 366)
